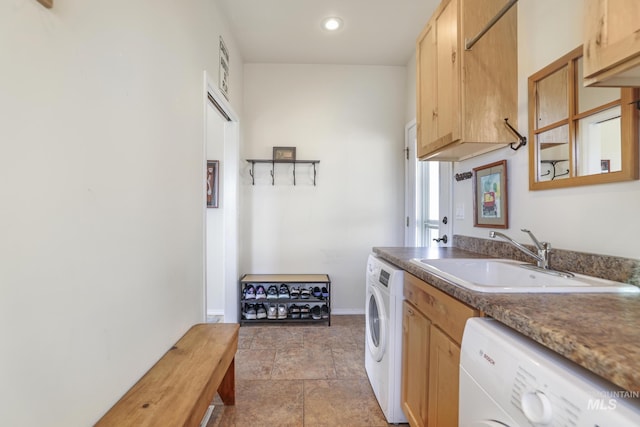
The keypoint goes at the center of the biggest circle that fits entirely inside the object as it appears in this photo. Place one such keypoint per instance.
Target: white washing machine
(383, 352)
(507, 379)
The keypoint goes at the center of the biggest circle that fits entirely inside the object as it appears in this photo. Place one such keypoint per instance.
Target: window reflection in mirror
(580, 135)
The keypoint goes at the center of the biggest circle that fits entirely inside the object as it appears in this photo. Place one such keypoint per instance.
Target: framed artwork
(284, 154)
(223, 72)
(605, 166)
(212, 183)
(490, 208)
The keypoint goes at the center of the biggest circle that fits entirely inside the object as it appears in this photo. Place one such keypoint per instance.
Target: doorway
(221, 142)
(214, 221)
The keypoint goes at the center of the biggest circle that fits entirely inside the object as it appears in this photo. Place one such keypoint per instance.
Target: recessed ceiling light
(332, 23)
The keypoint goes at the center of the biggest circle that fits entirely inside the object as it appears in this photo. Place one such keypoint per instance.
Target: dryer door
(376, 318)
(476, 408)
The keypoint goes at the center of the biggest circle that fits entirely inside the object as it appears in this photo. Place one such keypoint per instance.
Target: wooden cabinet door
(426, 91)
(438, 81)
(444, 360)
(415, 365)
(611, 43)
(448, 75)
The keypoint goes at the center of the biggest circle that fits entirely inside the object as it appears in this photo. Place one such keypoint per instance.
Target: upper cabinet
(463, 96)
(612, 43)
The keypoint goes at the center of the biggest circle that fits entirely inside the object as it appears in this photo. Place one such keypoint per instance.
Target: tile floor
(301, 375)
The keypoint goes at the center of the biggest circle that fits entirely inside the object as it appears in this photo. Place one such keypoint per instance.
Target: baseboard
(346, 311)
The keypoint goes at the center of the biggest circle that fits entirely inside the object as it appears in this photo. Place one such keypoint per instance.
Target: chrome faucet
(543, 248)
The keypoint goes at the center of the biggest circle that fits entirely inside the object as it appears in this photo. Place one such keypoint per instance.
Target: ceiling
(375, 32)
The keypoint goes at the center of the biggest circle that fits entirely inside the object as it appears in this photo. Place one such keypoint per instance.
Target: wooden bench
(179, 388)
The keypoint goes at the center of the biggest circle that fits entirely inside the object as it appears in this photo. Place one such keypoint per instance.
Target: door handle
(442, 239)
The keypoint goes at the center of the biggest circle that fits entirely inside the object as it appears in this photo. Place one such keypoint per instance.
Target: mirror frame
(628, 129)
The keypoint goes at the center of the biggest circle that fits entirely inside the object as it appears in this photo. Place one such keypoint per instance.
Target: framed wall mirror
(579, 135)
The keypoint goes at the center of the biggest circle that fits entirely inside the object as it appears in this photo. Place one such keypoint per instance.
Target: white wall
(102, 196)
(351, 118)
(598, 219)
(410, 108)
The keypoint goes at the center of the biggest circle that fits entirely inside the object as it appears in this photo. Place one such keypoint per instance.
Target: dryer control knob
(536, 407)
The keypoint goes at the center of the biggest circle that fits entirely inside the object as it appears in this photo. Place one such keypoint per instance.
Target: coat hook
(464, 175)
(523, 139)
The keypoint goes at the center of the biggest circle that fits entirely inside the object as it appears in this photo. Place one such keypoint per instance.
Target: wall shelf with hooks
(273, 166)
(552, 171)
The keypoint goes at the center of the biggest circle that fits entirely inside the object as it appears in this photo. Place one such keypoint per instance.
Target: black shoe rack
(302, 281)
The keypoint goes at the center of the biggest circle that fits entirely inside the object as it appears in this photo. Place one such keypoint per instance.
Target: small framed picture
(605, 166)
(490, 208)
(284, 154)
(212, 183)
(223, 74)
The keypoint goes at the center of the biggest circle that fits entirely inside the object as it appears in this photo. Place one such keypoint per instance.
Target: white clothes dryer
(383, 348)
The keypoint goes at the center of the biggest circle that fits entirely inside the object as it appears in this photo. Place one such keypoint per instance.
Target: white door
(445, 204)
(411, 194)
(428, 196)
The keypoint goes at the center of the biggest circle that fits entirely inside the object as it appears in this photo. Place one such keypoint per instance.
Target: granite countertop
(600, 332)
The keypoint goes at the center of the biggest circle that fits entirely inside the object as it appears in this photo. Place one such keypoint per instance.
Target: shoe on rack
(250, 311)
(295, 292)
(304, 311)
(325, 293)
(282, 311)
(272, 312)
(284, 291)
(305, 293)
(294, 311)
(316, 292)
(272, 292)
(316, 313)
(249, 292)
(324, 311)
(261, 312)
(260, 292)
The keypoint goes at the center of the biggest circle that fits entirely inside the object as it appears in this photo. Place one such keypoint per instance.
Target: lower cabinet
(444, 358)
(432, 325)
(415, 366)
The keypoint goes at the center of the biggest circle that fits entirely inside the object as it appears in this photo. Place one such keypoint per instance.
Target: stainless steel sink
(509, 276)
